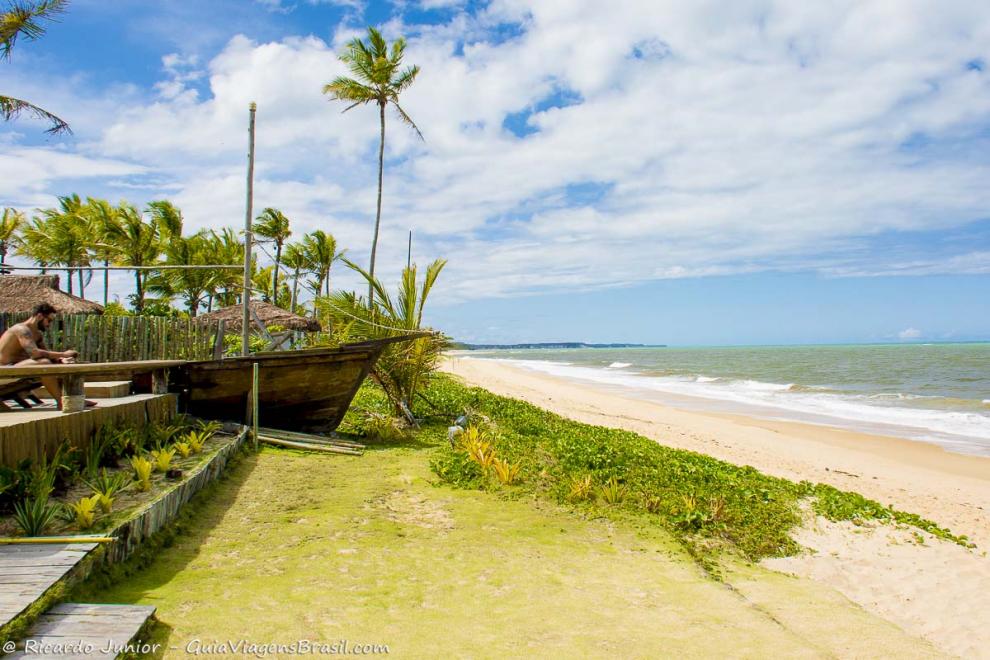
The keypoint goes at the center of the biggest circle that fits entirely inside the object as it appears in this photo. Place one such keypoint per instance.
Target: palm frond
(407, 120)
(11, 108)
(22, 19)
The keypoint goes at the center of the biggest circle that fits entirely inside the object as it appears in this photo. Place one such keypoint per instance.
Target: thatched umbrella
(20, 293)
(268, 313)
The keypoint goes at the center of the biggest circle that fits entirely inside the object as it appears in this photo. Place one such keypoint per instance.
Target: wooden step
(108, 389)
(80, 630)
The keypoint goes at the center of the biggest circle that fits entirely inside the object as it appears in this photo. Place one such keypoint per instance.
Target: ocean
(937, 393)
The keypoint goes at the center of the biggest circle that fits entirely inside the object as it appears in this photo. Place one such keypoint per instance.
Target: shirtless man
(23, 345)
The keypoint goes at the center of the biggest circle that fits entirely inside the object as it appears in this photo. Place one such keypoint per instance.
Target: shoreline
(949, 488)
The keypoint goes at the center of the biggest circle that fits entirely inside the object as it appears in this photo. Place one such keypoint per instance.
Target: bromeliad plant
(85, 511)
(162, 459)
(142, 472)
(34, 515)
(106, 486)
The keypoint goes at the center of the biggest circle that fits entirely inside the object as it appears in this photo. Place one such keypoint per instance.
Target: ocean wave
(619, 365)
(900, 415)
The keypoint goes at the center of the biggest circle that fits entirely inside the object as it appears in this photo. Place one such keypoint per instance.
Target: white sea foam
(619, 365)
(968, 432)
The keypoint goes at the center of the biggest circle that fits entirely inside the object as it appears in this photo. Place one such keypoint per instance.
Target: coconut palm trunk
(106, 282)
(378, 214)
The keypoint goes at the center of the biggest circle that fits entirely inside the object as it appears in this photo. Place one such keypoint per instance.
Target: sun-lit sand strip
(936, 590)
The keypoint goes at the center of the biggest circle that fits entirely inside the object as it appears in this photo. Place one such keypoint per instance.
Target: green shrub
(34, 515)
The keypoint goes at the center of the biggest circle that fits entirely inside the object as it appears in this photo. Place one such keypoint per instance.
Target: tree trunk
(378, 214)
(138, 292)
(295, 290)
(106, 282)
(82, 288)
(69, 273)
(278, 260)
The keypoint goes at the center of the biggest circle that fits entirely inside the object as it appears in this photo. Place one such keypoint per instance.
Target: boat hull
(306, 390)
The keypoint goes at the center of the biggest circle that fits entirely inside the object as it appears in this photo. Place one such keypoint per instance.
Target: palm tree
(320, 252)
(137, 243)
(192, 284)
(295, 260)
(23, 19)
(101, 215)
(224, 248)
(273, 225)
(378, 79)
(10, 222)
(59, 237)
(402, 368)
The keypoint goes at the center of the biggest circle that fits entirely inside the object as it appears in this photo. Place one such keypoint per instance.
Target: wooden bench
(73, 376)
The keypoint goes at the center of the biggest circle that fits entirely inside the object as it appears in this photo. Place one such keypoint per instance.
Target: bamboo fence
(123, 338)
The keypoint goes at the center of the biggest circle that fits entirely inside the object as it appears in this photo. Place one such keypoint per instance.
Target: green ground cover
(379, 549)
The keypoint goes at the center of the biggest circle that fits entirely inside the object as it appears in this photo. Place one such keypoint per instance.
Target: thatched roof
(20, 293)
(267, 312)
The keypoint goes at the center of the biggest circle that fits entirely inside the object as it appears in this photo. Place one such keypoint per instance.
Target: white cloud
(909, 334)
(697, 138)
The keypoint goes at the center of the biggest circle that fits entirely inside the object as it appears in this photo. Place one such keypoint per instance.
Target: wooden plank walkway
(28, 571)
(73, 630)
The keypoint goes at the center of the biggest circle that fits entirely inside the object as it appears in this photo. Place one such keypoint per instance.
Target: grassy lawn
(374, 549)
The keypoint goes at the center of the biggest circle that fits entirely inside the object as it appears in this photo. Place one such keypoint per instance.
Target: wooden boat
(304, 390)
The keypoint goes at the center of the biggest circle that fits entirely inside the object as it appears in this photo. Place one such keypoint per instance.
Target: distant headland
(558, 344)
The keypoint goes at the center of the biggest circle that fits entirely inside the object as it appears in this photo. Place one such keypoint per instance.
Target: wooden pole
(246, 294)
(254, 403)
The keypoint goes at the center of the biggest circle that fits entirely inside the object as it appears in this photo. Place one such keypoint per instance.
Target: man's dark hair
(43, 308)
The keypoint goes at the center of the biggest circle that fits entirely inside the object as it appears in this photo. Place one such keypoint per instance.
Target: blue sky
(663, 172)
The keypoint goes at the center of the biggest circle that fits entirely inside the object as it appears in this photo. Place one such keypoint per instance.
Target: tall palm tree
(10, 222)
(320, 251)
(23, 19)
(273, 225)
(379, 80)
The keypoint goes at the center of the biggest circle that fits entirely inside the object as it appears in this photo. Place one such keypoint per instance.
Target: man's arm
(36, 352)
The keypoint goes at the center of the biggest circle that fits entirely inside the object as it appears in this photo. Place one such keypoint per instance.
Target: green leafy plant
(34, 515)
(384, 428)
(184, 449)
(196, 440)
(612, 491)
(504, 472)
(85, 511)
(106, 486)
(579, 488)
(142, 472)
(162, 459)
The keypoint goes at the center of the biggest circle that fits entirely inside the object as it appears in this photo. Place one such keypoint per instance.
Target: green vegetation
(23, 20)
(290, 545)
(119, 465)
(711, 506)
(403, 368)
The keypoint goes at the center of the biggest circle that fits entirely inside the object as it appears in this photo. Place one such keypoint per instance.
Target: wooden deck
(28, 571)
(29, 433)
(73, 630)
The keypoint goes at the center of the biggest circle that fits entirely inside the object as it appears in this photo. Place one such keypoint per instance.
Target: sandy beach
(931, 588)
